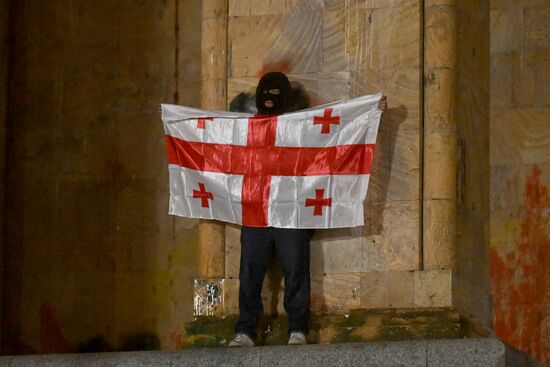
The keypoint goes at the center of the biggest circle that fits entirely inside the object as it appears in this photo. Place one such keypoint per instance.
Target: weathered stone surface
(212, 249)
(85, 118)
(412, 354)
(138, 359)
(280, 35)
(329, 328)
(440, 36)
(334, 40)
(439, 99)
(506, 26)
(432, 288)
(536, 34)
(340, 256)
(216, 356)
(519, 144)
(394, 289)
(439, 249)
(440, 165)
(396, 167)
(466, 352)
(335, 292)
(61, 360)
(239, 8)
(232, 250)
(386, 249)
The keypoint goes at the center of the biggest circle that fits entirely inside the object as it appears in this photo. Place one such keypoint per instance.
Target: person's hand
(383, 104)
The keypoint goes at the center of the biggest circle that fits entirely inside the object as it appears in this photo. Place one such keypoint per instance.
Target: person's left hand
(383, 104)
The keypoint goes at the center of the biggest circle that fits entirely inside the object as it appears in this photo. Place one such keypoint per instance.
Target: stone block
(335, 292)
(396, 167)
(366, 81)
(283, 38)
(440, 166)
(466, 352)
(242, 8)
(212, 249)
(439, 234)
(215, 9)
(502, 70)
(506, 30)
(392, 236)
(389, 289)
(231, 297)
(213, 94)
(324, 87)
(432, 288)
(530, 81)
(340, 256)
(524, 143)
(232, 250)
(214, 49)
(536, 33)
(392, 34)
(440, 36)
(334, 41)
(439, 99)
(402, 87)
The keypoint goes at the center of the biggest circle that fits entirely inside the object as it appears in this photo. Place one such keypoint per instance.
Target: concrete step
(421, 353)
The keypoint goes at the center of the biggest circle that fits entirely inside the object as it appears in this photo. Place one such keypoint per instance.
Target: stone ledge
(330, 328)
(422, 353)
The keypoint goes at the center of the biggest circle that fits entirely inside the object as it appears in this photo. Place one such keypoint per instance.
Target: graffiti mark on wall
(520, 278)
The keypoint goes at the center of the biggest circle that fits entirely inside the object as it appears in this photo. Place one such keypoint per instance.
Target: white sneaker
(241, 340)
(297, 338)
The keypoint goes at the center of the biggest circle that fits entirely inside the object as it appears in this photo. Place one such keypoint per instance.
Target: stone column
(440, 135)
(213, 96)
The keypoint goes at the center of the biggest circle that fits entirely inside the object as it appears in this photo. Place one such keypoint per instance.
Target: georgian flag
(305, 169)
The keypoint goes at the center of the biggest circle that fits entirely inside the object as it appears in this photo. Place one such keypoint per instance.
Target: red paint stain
(520, 279)
(176, 340)
(51, 337)
(283, 66)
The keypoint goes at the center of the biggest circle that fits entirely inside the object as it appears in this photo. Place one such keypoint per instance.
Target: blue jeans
(291, 246)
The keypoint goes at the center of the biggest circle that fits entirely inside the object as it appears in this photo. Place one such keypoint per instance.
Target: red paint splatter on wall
(520, 278)
(176, 340)
(51, 338)
(284, 66)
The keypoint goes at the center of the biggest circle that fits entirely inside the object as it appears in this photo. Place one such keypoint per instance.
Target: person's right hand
(383, 104)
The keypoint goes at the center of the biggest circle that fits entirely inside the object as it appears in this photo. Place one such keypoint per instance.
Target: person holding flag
(274, 96)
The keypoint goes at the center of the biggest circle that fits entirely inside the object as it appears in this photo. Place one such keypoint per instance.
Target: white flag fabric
(305, 169)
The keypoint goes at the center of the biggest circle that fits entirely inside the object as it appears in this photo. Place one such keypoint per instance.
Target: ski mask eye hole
(273, 91)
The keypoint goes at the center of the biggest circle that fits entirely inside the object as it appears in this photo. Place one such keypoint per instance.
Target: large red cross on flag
(281, 171)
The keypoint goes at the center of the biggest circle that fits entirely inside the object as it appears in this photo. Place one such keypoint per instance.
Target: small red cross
(203, 195)
(319, 202)
(201, 121)
(326, 120)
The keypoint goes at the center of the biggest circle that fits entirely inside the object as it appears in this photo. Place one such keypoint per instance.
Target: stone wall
(4, 15)
(520, 174)
(337, 50)
(92, 252)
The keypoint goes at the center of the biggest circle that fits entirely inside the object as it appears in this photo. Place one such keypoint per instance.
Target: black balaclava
(282, 102)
